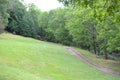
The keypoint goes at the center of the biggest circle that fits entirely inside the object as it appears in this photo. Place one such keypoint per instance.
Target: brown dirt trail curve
(84, 59)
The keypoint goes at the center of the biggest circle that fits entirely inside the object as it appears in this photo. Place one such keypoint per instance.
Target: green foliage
(16, 10)
(104, 16)
(101, 8)
(78, 31)
(30, 23)
(3, 14)
(108, 35)
(56, 27)
(82, 28)
(24, 22)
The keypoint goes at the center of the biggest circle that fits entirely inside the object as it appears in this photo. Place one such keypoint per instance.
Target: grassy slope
(111, 64)
(28, 59)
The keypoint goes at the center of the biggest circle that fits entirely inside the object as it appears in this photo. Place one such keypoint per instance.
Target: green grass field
(28, 59)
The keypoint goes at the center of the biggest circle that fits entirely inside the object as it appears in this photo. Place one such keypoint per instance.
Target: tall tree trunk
(94, 41)
(94, 44)
(106, 55)
(97, 49)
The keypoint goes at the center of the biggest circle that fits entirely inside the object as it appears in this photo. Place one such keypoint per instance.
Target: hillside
(23, 58)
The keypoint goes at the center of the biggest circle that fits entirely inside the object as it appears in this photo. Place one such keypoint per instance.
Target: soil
(84, 59)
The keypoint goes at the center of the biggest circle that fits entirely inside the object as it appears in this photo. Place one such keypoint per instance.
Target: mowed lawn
(29, 59)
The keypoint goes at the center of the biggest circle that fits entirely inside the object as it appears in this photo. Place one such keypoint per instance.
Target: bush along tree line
(89, 24)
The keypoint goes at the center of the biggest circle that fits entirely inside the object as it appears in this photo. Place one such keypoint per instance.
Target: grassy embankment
(28, 59)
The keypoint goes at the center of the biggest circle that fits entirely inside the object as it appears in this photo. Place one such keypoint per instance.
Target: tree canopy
(101, 8)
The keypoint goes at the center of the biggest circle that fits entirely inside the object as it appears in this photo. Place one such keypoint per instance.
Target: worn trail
(84, 59)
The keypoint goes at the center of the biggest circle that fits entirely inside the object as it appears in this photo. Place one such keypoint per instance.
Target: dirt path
(84, 59)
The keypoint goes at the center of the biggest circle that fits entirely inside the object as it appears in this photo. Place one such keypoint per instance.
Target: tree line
(81, 24)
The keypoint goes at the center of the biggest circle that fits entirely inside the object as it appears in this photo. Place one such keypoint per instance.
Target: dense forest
(93, 25)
